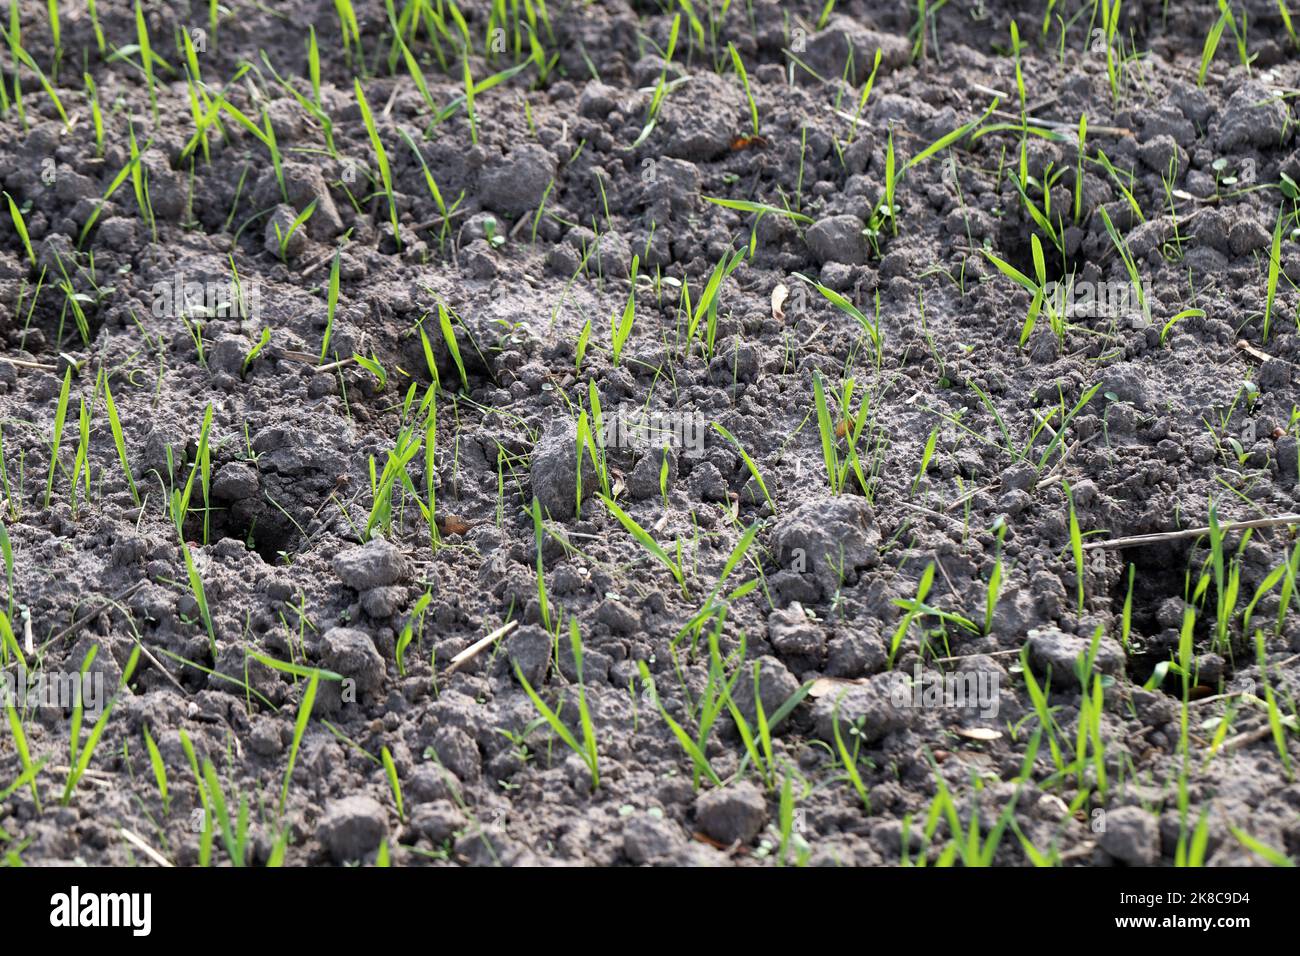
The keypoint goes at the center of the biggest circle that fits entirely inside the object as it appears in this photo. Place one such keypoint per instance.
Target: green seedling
(1274, 269)
(1130, 265)
(757, 748)
(712, 703)
(644, 539)
(621, 326)
(587, 749)
(81, 462)
(7, 553)
(886, 208)
(146, 58)
(1076, 545)
(995, 580)
(1210, 46)
(850, 760)
(234, 833)
(408, 632)
(913, 611)
(200, 597)
(83, 751)
(749, 464)
(837, 471)
(1185, 314)
(538, 530)
(283, 237)
(661, 86)
(706, 310)
(1278, 725)
(263, 341)
(20, 227)
(394, 784)
(744, 82)
(331, 306)
(119, 440)
(159, 771)
(449, 336)
(381, 156)
(866, 93)
(926, 455)
(23, 57)
(29, 769)
(870, 326)
(60, 416)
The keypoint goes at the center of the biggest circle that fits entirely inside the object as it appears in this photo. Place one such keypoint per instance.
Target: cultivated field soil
(636, 433)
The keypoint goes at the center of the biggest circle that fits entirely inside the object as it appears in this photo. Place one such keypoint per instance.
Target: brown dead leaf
(705, 838)
(454, 524)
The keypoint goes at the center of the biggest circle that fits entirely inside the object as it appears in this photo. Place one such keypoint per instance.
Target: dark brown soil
(554, 193)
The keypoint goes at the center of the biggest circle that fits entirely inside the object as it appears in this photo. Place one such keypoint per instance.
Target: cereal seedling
(866, 93)
(1076, 545)
(644, 539)
(20, 227)
(712, 703)
(744, 81)
(1274, 269)
(394, 784)
(1210, 46)
(449, 336)
(995, 579)
(381, 156)
(850, 760)
(538, 531)
(262, 341)
(30, 770)
(621, 327)
(82, 460)
(408, 632)
(661, 87)
(847, 424)
(587, 749)
(283, 236)
(146, 58)
(7, 552)
(82, 753)
(200, 597)
(331, 306)
(749, 464)
(60, 416)
(234, 833)
(159, 771)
